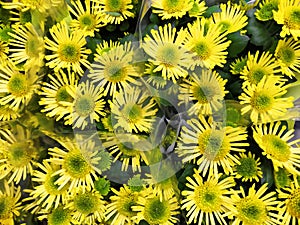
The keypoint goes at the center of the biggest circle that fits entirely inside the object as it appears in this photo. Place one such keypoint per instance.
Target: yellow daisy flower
(79, 164)
(205, 90)
(198, 8)
(119, 210)
(88, 104)
(277, 144)
(16, 86)
(248, 168)
(266, 8)
(238, 65)
(7, 113)
(67, 49)
(133, 110)
(255, 208)
(155, 211)
(45, 194)
(167, 9)
(27, 46)
(208, 199)
(288, 56)
(58, 216)
(88, 17)
(18, 155)
(288, 15)
(116, 11)
(210, 147)
(207, 43)
(258, 66)
(231, 18)
(167, 53)
(264, 101)
(54, 92)
(114, 70)
(10, 203)
(289, 204)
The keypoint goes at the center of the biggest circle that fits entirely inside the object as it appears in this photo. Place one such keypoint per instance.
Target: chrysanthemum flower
(133, 110)
(266, 8)
(45, 194)
(16, 86)
(207, 43)
(54, 92)
(88, 207)
(255, 208)
(10, 203)
(205, 90)
(289, 204)
(288, 56)
(119, 210)
(231, 18)
(167, 52)
(208, 146)
(275, 141)
(167, 9)
(265, 101)
(198, 8)
(4, 50)
(87, 105)
(7, 113)
(68, 49)
(124, 148)
(208, 199)
(238, 65)
(18, 154)
(288, 15)
(258, 66)
(114, 70)
(27, 46)
(58, 216)
(79, 164)
(248, 168)
(155, 211)
(116, 11)
(88, 17)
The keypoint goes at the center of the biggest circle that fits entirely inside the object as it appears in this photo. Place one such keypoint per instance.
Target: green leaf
(211, 10)
(102, 186)
(238, 43)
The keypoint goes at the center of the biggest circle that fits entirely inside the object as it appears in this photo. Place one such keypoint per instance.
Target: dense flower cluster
(154, 112)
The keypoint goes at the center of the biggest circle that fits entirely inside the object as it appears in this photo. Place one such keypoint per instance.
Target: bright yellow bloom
(208, 199)
(266, 8)
(264, 101)
(7, 113)
(277, 145)
(67, 49)
(58, 216)
(238, 65)
(198, 8)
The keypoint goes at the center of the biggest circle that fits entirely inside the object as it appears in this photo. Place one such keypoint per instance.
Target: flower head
(266, 8)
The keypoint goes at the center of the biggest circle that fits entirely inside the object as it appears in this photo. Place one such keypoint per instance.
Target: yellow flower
(208, 199)
(133, 110)
(169, 8)
(7, 113)
(205, 90)
(41, 5)
(114, 70)
(231, 18)
(255, 208)
(288, 56)
(276, 143)
(198, 8)
(238, 65)
(58, 216)
(265, 101)
(266, 8)
(288, 15)
(67, 49)
(88, 19)
(209, 146)
(27, 46)
(208, 44)
(116, 11)
(167, 53)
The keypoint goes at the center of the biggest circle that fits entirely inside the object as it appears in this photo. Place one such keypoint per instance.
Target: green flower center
(213, 144)
(17, 85)
(127, 150)
(239, 66)
(293, 21)
(225, 25)
(63, 95)
(25, 16)
(87, 21)
(262, 101)
(281, 178)
(133, 113)
(59, 216)
(76, 165)
(5, 207)
(69, 52)
(50, 185)
(115, 72)
(172, 6)
(156, 211)
(266, 11)
(168, 55)
(32, 47)
(202, 50)
(19, 154)
(125, 206)
(256, 75)
(114, 5)
(287, 55)
(203, 94)
(84, 105)
(208, 197)
(293, 203)
(247, 168)
(86, 203)
(276, 147)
